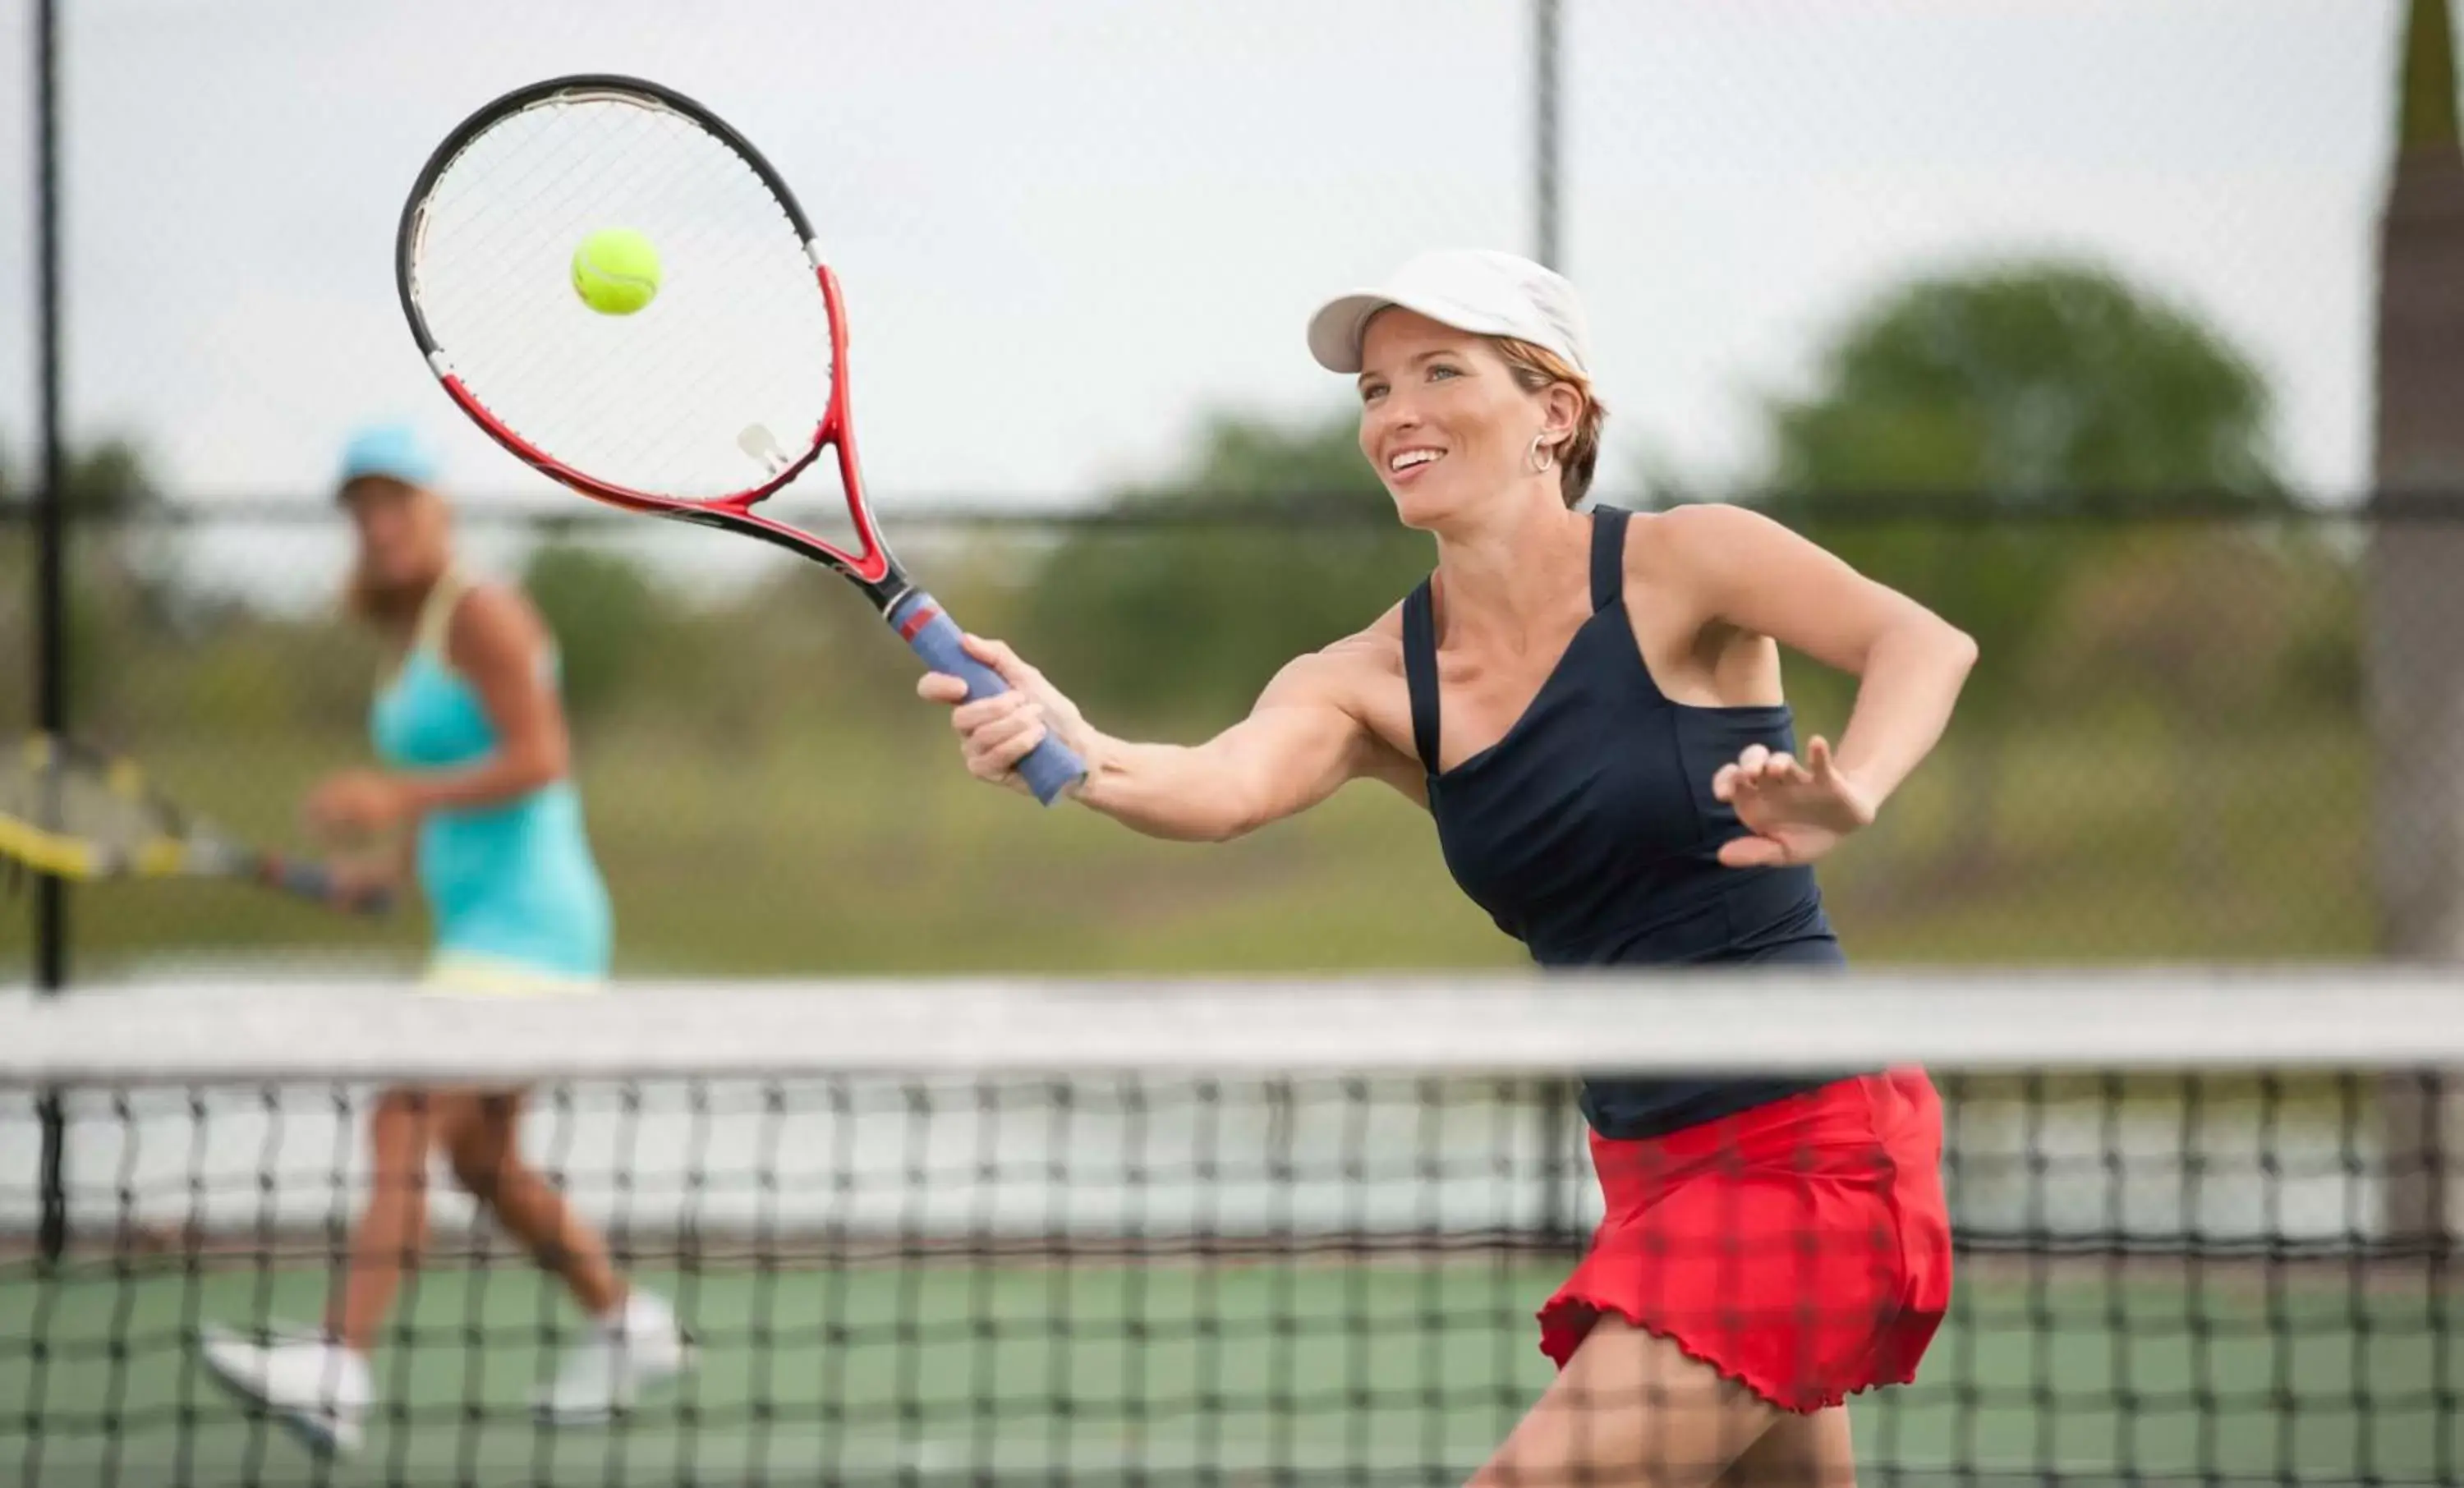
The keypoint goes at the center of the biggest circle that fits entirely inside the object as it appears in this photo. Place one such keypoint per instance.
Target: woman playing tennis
(477, 789)
(1589, 707)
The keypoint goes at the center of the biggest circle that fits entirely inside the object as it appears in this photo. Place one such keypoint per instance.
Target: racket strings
(551, 189)
(88, 799)
(562, 196)
(656, 402)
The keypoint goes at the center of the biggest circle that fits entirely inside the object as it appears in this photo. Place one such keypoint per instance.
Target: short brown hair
(1578, 455)
(364, 600)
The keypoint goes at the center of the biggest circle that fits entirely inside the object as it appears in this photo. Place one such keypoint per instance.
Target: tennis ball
(616, 271)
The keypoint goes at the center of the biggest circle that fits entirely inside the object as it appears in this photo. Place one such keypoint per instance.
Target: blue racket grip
(312, 881)
(1050, 767)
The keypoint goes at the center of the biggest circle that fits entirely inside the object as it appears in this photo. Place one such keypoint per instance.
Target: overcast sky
(1068, 227)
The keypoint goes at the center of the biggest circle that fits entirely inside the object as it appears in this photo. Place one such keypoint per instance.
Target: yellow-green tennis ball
(616, 271)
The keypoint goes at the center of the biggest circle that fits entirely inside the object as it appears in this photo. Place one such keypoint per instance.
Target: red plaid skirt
(1800, 1248)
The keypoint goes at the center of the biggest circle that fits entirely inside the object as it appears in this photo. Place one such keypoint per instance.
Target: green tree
(116, 584)
(605, 611)
(1271, 541)
(108, 478)
(2027, 385)
(2023, 390)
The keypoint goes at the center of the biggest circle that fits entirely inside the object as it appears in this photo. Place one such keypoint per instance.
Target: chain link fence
(2169, 756)
(1074, 233)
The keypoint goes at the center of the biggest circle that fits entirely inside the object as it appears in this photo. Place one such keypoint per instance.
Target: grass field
(1400, 1370)
(865, 849)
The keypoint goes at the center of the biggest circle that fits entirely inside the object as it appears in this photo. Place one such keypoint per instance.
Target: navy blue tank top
(1588, 833)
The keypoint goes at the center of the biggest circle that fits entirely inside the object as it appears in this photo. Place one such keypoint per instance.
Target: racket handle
(1048, 769)
(313, 881)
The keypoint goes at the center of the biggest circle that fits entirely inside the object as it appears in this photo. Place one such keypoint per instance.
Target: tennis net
(1220, 1233)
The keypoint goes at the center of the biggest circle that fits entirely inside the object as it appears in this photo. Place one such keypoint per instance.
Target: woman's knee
(1633, 1406)
(484, 1150)
(1798, 1452)
(481, 1160)
(402, 1122)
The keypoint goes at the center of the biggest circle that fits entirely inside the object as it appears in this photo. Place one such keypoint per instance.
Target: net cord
(2157, 1019)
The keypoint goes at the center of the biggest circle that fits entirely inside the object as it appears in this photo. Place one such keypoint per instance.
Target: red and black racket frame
(1051, 768)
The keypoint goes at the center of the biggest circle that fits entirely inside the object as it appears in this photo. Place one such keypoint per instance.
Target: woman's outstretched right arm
(1303, 739)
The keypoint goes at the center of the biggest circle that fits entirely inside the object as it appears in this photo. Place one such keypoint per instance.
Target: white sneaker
(315, 1387)
(639, 1348)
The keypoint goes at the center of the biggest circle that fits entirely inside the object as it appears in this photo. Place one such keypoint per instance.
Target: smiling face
(1446, 423)
(405, 543)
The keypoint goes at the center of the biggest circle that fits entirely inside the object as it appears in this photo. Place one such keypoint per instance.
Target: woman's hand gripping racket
(724, 387)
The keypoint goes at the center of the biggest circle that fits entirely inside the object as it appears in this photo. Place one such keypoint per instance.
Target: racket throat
(909, 610)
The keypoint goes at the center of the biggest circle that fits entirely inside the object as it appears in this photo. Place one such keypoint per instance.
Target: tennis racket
(73, 812)
(728, 386)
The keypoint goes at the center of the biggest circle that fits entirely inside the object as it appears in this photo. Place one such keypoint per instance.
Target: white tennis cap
(1476, 290)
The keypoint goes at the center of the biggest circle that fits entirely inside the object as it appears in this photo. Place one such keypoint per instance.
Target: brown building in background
(2416, 596)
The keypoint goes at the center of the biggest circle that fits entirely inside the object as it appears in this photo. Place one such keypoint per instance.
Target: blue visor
(394, 452)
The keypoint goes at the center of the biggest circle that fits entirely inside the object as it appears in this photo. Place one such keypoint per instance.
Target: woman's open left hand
(1794, 810)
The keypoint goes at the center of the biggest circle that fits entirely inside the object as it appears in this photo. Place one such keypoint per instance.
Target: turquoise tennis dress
(515, 896)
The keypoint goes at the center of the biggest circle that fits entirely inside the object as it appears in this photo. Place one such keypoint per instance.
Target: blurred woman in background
(475, 799)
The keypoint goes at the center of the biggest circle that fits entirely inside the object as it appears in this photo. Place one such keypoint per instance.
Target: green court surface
(1236, 1371)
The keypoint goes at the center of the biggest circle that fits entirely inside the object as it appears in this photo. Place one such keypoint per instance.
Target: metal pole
(50, 584)
(1556, 1116)
(1544, 32)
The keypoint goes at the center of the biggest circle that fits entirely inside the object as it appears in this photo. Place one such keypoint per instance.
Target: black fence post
(51, 588)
